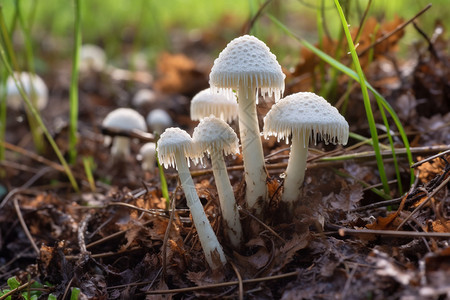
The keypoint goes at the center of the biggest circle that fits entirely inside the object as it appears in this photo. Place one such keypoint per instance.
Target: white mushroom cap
(306, 114)
(214, 133)
(125, 118)
(247, 61)
(158, 120)
(143, 97)
(148, 155)
(171, 141)
(208, 102)
(92, 58)
(13, 97)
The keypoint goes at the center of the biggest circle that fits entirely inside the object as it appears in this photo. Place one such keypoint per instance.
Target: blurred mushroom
(158, 120)
(123, 119)
(143, 97)
(33, 86)
(92, 58)
(147, 154)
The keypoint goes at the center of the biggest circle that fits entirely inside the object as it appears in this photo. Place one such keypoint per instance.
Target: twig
(239, 277)
(397, 29)
(167, 234)
(430, 158)
(263, 224)
(378, 204)
(155, 212)
(430, 43)
(393, 233)
(441, 186)
(81, 231)
(17, 289)
(224, 284)
(252, 22)
(66, 290)
(24, 226)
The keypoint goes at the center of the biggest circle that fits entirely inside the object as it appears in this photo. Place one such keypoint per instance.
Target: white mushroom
(174, 149)
(304, 116)
(34, 87)
(248, 66)
(123, 119)
(158, 120)
(92, 58)
(147, 154)
(217, 138)
(143, 97)
(220, 105)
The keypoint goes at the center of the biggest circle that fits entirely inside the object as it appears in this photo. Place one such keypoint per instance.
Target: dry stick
(17, 289)
(397, 29)
(263, 224)
(393, 233)
(441, 186)
(239, 277)
(224, 284)
(155, 212)
(249, 25)
(24, 226)
(430, 43)
(167, 233)
(430, 158)
(81, 230)
(66, 290)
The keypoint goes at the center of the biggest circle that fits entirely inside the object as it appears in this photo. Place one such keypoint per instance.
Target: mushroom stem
(252, 151)
(295, 171)
(227, 201)
(120, 146)
(214, 254)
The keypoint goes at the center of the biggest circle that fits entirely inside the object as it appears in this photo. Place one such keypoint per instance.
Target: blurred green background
(151, 26)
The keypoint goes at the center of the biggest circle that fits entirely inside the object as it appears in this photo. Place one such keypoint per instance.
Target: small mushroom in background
(217, 138)
(143, 97)
(147, 154)
(175, 147)
(92, 58)
(303, 116)
(123, 119)
(248, 66)
(220, 105)
(33, 85)
(158, 120)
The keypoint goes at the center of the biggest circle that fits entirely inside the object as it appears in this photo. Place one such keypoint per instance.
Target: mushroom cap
(92, 58)
(125, 118)
(14, 99)
(158, 118)
(307, 114)
(148, 149)
(247, 61)
(213, 133)
(171, 141)
(143, 96)
(208, 102)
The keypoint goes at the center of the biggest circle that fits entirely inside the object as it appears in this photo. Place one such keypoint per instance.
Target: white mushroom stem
(214, 254)
(295, 171)
(252, 151)
(120, 146)
(228, 205)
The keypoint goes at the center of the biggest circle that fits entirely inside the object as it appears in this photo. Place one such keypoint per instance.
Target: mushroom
(174, 149)
(158, 120)
(92, 58)
(248, 66)
(143, 97)
(33, 86)
(207, 102)
(123, 119)
(217, 138)
(303, 115)
(147, 154)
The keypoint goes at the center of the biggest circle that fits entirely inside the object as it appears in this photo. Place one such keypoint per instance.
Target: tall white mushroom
(303, 116)
(124, 119)
(220, 105)
(158, 120)
(217, 138)
(248, 66)
(34, 86)
(174, 149)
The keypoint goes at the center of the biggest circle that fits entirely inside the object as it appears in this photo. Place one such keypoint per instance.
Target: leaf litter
(120, 243)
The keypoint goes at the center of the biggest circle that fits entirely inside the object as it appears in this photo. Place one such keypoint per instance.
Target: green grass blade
(3, 76)
(352, 74)
(164, 187)
(73, 126)
(88, 164)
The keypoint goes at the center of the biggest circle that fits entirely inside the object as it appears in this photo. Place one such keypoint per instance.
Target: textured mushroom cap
(247, 61)
(171, 141)
(143, 96)
(307, 114)
(213, 133)
(92, 58)
(13, 97)
(159, 119)
(148, 149)
(208, 102)
(125, 118)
